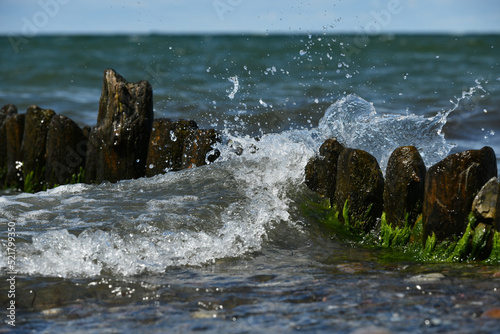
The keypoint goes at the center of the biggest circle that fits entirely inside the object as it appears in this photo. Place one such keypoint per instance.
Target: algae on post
(479, 242)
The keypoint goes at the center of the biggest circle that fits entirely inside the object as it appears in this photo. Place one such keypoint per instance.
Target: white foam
(196, 216)
(5, 202)
(66, 189)
(181, 218)
(77, 200)
(175, 200)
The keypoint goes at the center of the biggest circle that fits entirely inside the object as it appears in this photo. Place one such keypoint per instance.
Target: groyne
(41, 150)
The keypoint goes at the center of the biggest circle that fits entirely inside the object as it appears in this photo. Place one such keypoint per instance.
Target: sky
(31, 17)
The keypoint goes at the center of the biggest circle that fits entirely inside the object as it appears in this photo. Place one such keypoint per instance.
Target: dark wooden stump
(361, 183)
(450, 188)
(34, 146)
(118, 145)
(404, 186)
(66, 151)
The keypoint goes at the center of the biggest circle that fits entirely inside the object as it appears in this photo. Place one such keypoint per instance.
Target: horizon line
(244, 33)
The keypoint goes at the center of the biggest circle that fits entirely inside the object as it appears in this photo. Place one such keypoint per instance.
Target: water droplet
(236, 86)
(302, 52)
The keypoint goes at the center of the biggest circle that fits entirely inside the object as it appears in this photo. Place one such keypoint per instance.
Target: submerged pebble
(493, 313)
(432, 277)
(372, 330)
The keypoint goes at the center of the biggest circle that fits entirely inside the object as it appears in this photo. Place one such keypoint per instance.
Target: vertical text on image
(12, 272)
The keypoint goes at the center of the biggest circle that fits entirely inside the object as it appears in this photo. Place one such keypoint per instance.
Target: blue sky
(29, 17)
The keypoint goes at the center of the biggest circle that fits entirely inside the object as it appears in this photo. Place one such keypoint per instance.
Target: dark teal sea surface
(226, 248)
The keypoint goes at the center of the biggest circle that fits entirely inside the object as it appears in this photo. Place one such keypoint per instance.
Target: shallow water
(227, 248)
(316, 287)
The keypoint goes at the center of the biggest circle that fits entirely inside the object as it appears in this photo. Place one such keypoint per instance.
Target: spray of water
(355, 123)
(197, 216)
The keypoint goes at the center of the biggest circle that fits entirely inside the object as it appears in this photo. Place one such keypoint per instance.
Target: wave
(195, 217)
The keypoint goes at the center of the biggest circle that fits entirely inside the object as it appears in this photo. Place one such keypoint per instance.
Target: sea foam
(198, 216)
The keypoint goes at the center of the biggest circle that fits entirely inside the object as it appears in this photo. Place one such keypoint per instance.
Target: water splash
(355, 123)
(236, 86)
(466, 95)
(185, 218)
(194, 217)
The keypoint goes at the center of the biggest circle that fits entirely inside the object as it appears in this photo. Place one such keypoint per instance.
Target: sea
(228, 247)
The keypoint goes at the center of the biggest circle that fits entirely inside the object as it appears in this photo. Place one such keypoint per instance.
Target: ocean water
(226, 248)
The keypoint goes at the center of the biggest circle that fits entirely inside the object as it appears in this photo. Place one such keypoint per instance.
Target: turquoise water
(226, 248)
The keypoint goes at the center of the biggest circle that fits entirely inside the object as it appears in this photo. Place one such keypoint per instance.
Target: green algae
(479, 242)
(34, 181)
(32, 184)
(78, 177)
(494, 256)
(394, 237)
(327, 218)
(345, 213)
